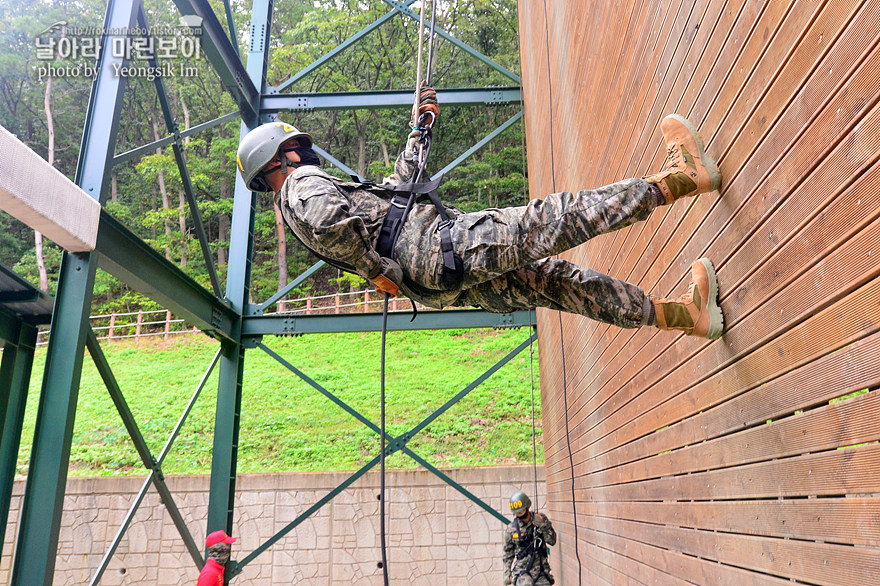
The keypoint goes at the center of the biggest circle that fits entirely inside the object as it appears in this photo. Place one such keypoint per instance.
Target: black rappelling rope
(577, 554)
(424, 149)
(532, 326)
(382, 444)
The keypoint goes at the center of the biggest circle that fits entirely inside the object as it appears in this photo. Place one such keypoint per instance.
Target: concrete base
(436, 536)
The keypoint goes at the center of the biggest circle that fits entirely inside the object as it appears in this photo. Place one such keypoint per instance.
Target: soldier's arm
(405, 165)
(342, 236)
(509, 550)
(548, 531)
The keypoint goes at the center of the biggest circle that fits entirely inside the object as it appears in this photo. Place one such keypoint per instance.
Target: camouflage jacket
(340, 221)
(519, 539)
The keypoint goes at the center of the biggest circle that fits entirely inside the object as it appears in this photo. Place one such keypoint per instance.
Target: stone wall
(436, 535)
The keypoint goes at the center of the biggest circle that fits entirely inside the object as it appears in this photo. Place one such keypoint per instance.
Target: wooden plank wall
(727, 462)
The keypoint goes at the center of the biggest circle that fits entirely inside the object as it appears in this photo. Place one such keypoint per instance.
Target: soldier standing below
(526, 545)
(503, 258)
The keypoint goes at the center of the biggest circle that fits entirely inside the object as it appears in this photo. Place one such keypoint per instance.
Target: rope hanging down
(424, 126)
(577, 554)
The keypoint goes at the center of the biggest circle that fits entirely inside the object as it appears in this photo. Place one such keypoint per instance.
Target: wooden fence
(753, 459)
(151, 324)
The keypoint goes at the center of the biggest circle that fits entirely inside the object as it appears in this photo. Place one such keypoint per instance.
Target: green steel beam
(405, 437)
(288, 324)
(339, 49)
(183, 416)
(241, 244)
(24, 296)
(180, 158)
(451, 482)
(37, 543)
(150, 148)
(380, 99)
(126, 523)
(15, 375)
(224, 459)
(134, 262)
(131, 426)
(348, 170)
(43, 500)
(312, 383)
(463, 46)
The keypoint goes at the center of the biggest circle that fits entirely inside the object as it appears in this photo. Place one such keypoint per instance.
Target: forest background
(493, 425)
(146, 193)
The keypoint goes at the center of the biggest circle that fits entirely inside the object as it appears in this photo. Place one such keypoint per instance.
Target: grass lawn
(287, 425)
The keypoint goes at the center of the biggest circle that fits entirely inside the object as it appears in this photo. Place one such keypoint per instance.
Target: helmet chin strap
(283, 158)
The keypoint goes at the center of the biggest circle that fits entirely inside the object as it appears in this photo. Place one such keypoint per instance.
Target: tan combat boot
(688, 170)
(697, 312)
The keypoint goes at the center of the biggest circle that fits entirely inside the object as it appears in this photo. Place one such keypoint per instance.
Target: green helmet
(260, 146)
(519, 503)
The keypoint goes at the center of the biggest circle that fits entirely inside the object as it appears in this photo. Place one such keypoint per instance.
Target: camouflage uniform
(518, 546)
(505, 251)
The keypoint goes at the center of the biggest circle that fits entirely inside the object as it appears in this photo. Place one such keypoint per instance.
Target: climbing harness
(532, 543)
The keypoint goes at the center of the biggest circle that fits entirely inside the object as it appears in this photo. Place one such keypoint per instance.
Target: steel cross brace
(154, 465)
(463, 46)
(140, 444)
(177, 147)
(396, 8)
(147, 148)
(338, 49)
(395, 444)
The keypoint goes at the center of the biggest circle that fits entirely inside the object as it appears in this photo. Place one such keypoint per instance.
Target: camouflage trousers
(539, 575)
(506, 255)
(526, 580)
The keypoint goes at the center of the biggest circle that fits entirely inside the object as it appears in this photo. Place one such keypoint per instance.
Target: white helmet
(260, 146)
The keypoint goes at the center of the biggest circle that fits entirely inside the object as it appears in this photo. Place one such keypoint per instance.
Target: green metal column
(226, 426)
(47, 476)
(15, 374)
(37, 542)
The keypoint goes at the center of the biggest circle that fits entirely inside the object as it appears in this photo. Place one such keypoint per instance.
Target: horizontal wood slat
(853, 521)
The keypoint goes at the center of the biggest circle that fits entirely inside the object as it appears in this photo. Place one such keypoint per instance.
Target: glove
(429, 108)
(389, 277)
(539, 520)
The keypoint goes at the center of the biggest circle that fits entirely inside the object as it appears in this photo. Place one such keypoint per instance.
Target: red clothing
(212, 574)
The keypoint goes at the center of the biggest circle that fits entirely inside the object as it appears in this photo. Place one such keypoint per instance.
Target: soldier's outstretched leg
(559, 284)
(493, 242)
